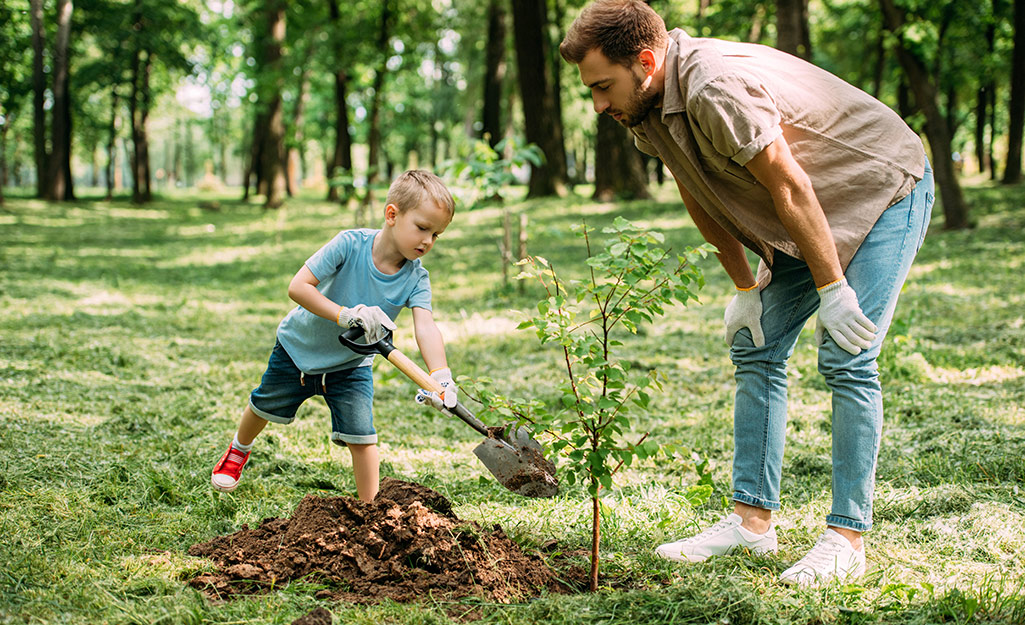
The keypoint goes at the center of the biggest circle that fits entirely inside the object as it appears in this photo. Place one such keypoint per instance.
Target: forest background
(274, 97)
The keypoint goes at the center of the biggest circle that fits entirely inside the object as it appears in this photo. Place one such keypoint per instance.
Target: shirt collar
(672, 97)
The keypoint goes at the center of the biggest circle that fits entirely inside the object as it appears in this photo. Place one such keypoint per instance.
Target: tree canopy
(161, 95)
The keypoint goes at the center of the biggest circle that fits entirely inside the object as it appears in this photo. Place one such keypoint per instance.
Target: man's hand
(745, 311)
(449, 396)
(841, 316)
(372, 319)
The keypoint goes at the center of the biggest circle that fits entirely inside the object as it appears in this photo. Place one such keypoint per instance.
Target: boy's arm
(432, 348)
(429, 339)
(303, 291)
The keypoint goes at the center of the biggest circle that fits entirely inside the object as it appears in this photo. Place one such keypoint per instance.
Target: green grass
(131, 337)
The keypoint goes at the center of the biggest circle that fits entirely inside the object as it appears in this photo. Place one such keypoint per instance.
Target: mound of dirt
(405, 545)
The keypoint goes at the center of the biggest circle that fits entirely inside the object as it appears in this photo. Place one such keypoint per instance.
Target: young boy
(360, 278)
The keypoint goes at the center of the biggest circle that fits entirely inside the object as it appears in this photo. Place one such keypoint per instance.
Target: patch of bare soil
(319, 616)
(405, 545)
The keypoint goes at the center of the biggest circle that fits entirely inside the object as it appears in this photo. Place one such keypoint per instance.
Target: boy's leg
(250, 426)
(365, 468)
(277, 398)
(350, 396)
(228, 470)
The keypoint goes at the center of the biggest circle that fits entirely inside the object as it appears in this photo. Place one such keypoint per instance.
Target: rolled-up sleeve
(737, 114)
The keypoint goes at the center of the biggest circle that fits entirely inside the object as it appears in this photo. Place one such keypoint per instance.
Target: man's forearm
(798, 210)
(730, 252)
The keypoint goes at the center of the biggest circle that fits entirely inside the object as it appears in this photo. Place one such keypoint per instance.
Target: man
(829, 188)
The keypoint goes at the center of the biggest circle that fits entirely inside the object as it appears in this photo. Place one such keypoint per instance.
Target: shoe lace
(823, 554)
(232, 462)
(718, 527)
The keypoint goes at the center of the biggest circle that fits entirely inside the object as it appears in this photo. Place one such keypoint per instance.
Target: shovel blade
(519, 467)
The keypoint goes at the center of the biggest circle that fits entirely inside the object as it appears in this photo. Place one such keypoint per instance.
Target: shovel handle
(412, 371)
(425, 381)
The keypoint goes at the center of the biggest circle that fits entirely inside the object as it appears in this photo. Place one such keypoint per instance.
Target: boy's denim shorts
(349, 394)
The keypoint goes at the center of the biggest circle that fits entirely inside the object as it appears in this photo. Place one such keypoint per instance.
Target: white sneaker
(720, 539)
(831, 558)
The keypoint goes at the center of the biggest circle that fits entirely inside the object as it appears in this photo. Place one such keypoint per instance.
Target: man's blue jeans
(876, 273)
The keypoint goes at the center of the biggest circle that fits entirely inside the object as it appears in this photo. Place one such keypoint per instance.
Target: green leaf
(619, 249)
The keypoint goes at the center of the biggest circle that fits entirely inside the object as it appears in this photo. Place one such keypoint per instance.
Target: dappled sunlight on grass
(213, 257)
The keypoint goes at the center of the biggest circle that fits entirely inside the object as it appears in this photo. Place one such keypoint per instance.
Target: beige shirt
(725, 102)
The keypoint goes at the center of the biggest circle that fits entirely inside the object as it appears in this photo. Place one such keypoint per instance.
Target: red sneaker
(228, 471)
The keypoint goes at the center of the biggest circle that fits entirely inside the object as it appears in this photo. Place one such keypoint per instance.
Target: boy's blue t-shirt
(347, 275)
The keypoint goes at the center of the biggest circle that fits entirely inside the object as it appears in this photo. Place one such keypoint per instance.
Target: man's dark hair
(620, 29)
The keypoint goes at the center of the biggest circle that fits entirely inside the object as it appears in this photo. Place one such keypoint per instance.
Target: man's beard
(640, 104)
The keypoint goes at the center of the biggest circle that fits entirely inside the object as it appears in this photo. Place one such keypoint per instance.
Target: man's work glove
(840, 314)
(745, 311)
(449, 396)
(372, 319)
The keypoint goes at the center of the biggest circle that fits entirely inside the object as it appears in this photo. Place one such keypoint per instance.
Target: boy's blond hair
(411, 188)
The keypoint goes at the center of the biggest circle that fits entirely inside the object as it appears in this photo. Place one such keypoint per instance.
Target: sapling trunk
(595, 534)
(506, 245)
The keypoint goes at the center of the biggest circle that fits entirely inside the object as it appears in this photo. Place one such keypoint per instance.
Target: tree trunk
(494, 73)
(879, 67)
(702, 10)
(144, 107)
(254, 161)
(792, 33)
(273, 157)
(191, 166)
(42, 158)
(754, 34)
(982, 98)
(374, 133)
(955, 211)
(60, 115)
(1016, 106)
(341, 159)
(3, 155)
(981, 117)
(174, 163)
(112, 144)
(296, 160)
(618, 165)
(138, 107)
(992, 132)
(94, 165)
(222, 148)
(541, 114)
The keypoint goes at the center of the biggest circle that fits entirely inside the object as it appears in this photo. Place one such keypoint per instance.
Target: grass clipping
(405, 545)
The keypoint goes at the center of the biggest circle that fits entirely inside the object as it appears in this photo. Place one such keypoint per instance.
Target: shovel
(515, 459)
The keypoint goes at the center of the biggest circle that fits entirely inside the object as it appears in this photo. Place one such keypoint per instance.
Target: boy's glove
(841, 315)
(372, 319)
(449, 396)
(745, 311)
